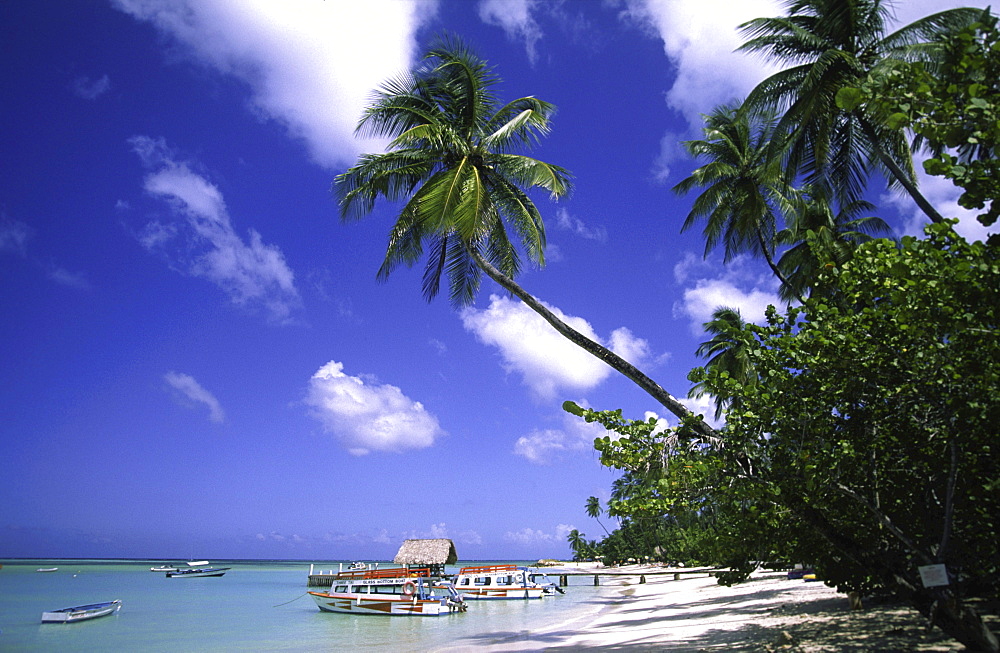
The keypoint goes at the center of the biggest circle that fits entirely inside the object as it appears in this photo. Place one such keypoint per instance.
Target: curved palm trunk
(615, 361)
(897, 172)
(774, 268)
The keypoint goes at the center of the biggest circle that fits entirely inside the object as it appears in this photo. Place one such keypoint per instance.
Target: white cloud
(368, 417)
(310, 65)
(251, 273)
(441, 531)
(191, 390)
(575, 225)
(699, 37)
(69, 279)
(544, 446)
(943, 195)
(547, 362)
(514, 16)
(91, 89)
(14, 236)
(736, 286)
(528, 536)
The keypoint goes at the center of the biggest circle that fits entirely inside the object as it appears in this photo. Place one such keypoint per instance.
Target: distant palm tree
(817, 237)
(744, 187)
(594, 510)
(830, 44)
(577, 543)
(451, 164)
(726, 352)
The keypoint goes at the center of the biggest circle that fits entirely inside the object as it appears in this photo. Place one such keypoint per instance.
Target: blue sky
(197, 360)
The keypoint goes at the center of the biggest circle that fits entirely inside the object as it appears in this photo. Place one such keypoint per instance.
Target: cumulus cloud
(544, 446)
(515, 17)
(547, 362)
(529, 536)
(311, 66)
(368, 416)
(735, 286)
(189, 389)
(200, 239)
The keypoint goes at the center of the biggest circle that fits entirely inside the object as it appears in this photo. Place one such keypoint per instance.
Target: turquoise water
(256, 606)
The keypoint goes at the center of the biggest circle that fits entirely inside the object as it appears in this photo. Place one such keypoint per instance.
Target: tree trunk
(897, 172)
(615, 361)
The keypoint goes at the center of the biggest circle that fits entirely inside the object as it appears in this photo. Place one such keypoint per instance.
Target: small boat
(500, 582)
(48, 569)
(358, 566)
(81, 612)
(198, 563)
(198, 571)
(163, 567)
(399, 591)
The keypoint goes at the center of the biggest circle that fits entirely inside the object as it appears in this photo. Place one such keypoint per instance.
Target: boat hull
(81, 612)
(477, 594)
(381, 605)
(198, 573)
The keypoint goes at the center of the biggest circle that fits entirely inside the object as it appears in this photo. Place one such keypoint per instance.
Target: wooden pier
(641, 573)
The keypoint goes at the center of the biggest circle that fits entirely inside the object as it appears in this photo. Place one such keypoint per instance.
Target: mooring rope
(292, 601)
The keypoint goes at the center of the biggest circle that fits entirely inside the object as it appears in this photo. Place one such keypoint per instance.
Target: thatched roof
(426, 552)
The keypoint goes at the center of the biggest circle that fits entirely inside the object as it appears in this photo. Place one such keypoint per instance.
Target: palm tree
(594, 510)
(817, 237)
(831, 44)
(451, 162)
(577, 543)
(726, 352)
(744, 187)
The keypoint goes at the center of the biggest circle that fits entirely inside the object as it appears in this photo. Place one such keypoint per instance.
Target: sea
(259, 605)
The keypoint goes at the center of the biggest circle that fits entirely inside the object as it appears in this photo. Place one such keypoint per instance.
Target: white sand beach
(693, 614)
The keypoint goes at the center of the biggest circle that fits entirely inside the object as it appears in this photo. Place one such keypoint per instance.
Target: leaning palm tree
(830, 44)
(744, 188)
(594, 510)
(726, 352)
(453, 163)
(577, 543)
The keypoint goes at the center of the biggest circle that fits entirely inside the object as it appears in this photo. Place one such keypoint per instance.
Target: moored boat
(82, 612)
(499, 582)
(163, 568)
(198, 571)
(399, 591)
(48, 569)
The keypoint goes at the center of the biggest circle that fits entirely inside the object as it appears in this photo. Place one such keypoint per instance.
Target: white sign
(933, 575)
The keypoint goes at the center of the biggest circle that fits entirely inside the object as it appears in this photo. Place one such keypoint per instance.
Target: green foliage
(954, 106)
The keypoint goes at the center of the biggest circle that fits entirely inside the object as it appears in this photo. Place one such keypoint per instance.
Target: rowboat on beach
(399, 591)
(81, 612)
(198, 571)
(500, 582)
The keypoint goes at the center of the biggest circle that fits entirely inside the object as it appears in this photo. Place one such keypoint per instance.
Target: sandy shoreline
(694, 614)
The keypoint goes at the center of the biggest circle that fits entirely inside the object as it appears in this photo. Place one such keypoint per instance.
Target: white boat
(48, 569)
(163, 568)
(399, 591)
(500, 582)
(198, 563)
(81, 612)
(358, 566)
(198, 571)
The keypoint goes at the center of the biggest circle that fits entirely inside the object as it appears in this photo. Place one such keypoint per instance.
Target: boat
(358, 566)
(397, 591)
(500, 582)
(48, 569)
(163, 567)
(198, 571)
(81, 612)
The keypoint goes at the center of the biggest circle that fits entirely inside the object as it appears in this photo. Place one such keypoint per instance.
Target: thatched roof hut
(427, 553)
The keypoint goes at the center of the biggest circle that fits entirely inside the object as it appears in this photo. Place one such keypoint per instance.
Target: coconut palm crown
(454, 163)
